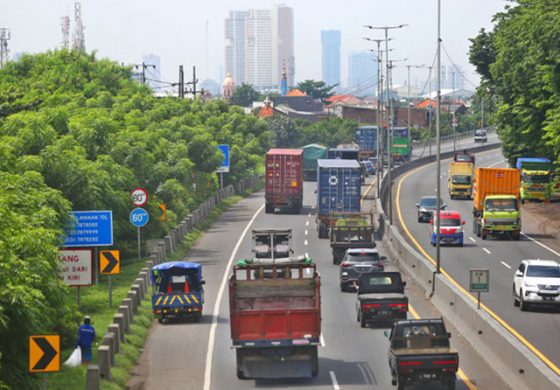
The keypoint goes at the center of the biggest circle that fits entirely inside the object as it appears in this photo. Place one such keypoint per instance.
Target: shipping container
(284, 180)
(495, 181)
(338, 190)
(312, 153)
(366, 138)
(343, 153)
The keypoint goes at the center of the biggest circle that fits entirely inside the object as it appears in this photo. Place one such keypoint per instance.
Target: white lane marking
(305, 242)
(472, 239)
(306, 232)
(216, 312)
(487, 251)
(505, 264)
(309, 215)
(306, 223)
(334, 381)
(541, 244)
(496, 163)
(322, 340)
(306, 254)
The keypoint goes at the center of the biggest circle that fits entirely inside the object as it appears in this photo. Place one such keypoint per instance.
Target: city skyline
(330, 60)
(133, 28)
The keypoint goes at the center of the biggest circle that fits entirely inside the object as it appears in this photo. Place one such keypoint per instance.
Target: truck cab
(535, 178)
(460, 181)
(451, 229)
(500, 214)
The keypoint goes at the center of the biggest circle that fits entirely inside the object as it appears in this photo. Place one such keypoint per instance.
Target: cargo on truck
(401, 149)
(350, 230)
(366, 138)
(284, 180)
(535, 178)
(312, 153)
(275, 318)
(344, 152)
(380, 298)
(460, 179)
(420, 353)
(496, 202)
(338, 190)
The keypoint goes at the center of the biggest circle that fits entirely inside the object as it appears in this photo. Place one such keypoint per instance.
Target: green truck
(350, 230)
(496, 202)
(312, 153)
(401, 148)
(535, 178)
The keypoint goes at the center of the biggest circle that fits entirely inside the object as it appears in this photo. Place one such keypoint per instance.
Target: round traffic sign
(139, 217)
(139, 196)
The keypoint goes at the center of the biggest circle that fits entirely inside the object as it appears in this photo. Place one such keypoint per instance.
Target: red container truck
(284, 180)
(275, 318)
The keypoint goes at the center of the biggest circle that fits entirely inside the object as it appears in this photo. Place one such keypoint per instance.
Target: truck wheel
(238, 360)
(160, 320)
(523, 306)
(516, 236)
(400, 383)
(451, 385)
(268, 209)
(314, 363)
(483, 234)
(363, 323)
(515, 301)
(241, 375)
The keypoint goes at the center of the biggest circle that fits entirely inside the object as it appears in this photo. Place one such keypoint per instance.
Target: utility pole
(181, 84)
(438, 147)
(143, 66)
(409, 98)
(390, 127)
(482, 110)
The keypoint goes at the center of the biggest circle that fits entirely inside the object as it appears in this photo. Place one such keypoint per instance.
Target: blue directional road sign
(90, 228)
(139, 217)
(225, 164)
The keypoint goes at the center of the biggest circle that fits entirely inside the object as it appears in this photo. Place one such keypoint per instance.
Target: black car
(426, 208)
(357, 261)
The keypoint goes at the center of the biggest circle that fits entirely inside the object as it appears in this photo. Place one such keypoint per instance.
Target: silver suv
(537, 282)
(357, 261)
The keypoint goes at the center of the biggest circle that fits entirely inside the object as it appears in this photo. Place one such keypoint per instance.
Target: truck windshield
(501, 205)
(363, 258)
(450, 222)
(461, 179)
(536, 178)
(543, 271)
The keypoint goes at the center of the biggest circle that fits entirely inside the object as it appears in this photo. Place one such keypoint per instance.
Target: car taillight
(345, 264)
(411, 363)
(445, 362)
(367, 306)
(401, 306)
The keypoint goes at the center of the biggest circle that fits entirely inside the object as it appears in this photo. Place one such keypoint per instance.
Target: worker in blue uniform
(86, 336)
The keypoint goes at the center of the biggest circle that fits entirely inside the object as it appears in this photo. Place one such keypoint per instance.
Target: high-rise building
(283, 44)
(259, 45)
(330, 41)
(153, 71)
(362, 73)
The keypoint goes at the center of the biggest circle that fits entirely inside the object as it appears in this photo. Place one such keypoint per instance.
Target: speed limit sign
(139, 196)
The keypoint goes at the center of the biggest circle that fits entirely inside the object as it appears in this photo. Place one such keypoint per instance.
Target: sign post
(77, 269)
(479, 281)
(139, 218)
(110, 264)
(224, 167)
(44, 355)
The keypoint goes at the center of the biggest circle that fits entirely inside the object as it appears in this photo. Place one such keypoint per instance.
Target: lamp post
(390, 127)
(409, 125)
(438, 143)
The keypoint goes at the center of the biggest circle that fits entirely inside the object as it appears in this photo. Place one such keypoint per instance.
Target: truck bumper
(448, 239)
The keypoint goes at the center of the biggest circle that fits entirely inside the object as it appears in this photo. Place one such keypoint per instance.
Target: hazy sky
(124, 30)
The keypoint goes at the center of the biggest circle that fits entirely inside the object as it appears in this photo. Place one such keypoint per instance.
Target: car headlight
(345, 274)
(529, 285)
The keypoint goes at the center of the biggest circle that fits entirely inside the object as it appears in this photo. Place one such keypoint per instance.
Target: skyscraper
(330, 40)
(259, 45)
(282, 44)
(362, 73)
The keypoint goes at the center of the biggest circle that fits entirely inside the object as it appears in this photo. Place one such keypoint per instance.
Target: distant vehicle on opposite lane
(480, 135)
(537, 282)
(426, 207)
(357, 261)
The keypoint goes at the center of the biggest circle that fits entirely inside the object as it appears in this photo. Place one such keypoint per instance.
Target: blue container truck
(338, 190)
(366, 138)
(343, 153)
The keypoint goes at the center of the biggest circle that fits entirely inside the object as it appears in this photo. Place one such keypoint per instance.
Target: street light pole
(438, 147)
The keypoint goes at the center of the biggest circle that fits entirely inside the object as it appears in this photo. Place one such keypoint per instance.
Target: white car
(480, 136)
(537, 282)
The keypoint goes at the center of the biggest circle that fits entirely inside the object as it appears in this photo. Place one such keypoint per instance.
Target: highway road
(447, 145)
(198, 355)
(540, 327)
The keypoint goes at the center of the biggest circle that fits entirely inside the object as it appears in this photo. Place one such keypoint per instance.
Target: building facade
(235, 40)
(283, 45)
(330, 42)
(362, 73)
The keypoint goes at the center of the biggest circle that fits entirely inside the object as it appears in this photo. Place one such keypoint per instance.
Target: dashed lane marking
(472, 239)
(334, 381)
(305, 242)
(487, 251)
(506, 264)
(322, 341)
(306, 232)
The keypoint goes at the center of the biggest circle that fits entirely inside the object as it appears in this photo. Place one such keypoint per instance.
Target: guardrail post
(109, 341)
(92, 377)
(125, 311)
(103, 360)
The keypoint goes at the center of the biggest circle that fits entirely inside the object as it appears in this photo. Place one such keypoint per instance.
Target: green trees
(244, 95)
(316, 89)
(518, 62)
(77, 133)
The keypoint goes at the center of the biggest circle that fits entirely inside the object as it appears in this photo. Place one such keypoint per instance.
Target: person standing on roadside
(86, 336)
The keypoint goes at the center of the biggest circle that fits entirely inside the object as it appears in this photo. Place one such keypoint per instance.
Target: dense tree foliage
(77, 133)
(520, 65)
(244, 95)
(316, 89)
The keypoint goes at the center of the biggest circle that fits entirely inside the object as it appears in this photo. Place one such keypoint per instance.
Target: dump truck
(460, 179)
(496, 202)
(420, 353)
(284, 180)
(350, 230)
(366, 138)
(275, 318)
(338, 190)
(312, 153)
(535, 178)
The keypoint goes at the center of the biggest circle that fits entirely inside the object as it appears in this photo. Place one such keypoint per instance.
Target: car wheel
(342, 288)
(522, 304)
(515, 301)
(483, 235)
(358, 316)
(363, 322)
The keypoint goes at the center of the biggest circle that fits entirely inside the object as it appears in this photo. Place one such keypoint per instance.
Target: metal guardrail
(452, 142)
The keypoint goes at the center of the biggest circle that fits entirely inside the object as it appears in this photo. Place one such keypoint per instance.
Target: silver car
(357, 261)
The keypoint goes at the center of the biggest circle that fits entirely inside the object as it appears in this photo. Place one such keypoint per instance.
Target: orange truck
(496, 202)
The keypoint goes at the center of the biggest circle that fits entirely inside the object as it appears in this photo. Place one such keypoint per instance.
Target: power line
(457, 68)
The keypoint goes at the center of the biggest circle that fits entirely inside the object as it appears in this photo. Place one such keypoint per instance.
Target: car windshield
(363, 257)
(428, 202)
(500, 205)
(543, 271)
(480, 132)
(450, 222)
(537, 178)
(461, 179)
(463, 158)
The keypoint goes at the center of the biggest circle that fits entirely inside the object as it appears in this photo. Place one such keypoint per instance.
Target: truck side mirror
(417, 205)
(464, 222)
(518, 273)
(386, 333)
(431, 221)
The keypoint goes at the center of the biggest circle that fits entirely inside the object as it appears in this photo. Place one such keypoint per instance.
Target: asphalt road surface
(186, 355)
(502, 256)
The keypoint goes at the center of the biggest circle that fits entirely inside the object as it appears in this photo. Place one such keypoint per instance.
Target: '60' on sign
(139, 217)
(139, 196)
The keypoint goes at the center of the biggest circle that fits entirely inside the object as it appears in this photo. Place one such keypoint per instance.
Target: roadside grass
(95, 303)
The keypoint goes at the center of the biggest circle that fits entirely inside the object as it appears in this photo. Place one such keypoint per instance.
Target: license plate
(549, 298)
